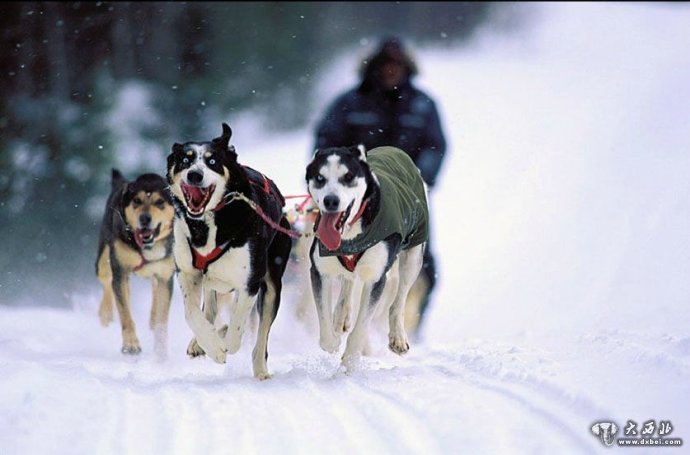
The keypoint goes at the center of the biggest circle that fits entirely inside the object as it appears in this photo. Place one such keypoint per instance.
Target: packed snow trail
(69, 390)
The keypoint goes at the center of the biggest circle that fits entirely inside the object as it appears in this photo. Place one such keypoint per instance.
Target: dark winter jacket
(406, 118)
(403, 205)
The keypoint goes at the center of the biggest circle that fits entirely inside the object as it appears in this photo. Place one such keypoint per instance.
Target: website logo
(605, 431)
(649, 433)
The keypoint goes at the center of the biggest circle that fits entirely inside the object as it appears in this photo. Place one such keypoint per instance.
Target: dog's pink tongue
(328, 234)
(195, 196)
(139, 236)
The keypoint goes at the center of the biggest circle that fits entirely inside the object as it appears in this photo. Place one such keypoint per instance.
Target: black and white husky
(228, 246)
(370, 233)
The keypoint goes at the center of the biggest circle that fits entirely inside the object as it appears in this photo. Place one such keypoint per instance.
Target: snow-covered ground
(561, 223)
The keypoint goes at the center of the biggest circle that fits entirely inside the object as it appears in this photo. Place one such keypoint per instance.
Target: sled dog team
(220, 226)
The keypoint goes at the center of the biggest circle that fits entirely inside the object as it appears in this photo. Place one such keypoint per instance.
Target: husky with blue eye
(370, 234)
(231, 246)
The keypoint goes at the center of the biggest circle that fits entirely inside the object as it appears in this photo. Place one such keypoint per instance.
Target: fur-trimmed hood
(389, 49)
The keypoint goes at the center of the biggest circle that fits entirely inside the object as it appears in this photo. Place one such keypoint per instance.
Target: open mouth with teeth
(196, 198)
(331, 226)
(146, 236)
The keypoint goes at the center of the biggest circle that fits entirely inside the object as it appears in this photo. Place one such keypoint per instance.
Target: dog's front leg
(346, 304)
(322, 288)
(206, 336)
(130, 342)
(238, 318)
(210, 308)
(371, 294)
(105, 276)
(410, 264)
(160, 311)
(267, 306)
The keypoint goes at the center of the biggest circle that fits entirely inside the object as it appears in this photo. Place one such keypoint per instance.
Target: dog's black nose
(195, 177)
(144, 220)
(331, 202)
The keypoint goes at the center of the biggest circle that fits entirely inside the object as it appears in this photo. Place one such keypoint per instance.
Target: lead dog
(224, 249)
(135, 238)
(372, 228)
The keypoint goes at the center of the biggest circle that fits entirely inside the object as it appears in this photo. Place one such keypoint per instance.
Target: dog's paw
(329, 344)
(194, 350)
(131, 349)
(218, 356)
(233, 341)
(214, 348)
(398, 344)
(350, 363)
(262, 375)
(160, 348)
(105, 315)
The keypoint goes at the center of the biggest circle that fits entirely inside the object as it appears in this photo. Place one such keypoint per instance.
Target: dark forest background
(63, 65)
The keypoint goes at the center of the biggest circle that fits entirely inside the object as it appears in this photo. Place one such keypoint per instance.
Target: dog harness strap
(142, 263)
(350, 262)
(220, 205)
(202, 262)
(269, 221)
(359, 213)
(301, 207)
(266, 185)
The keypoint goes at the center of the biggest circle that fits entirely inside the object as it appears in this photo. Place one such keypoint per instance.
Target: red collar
(139, 249)
(143, 262)
(202, 262)
(350, 262)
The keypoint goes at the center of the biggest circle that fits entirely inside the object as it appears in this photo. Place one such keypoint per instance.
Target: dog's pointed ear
(227, 131)
(360, 151)
(177, 149)
(117, 180)
(222, 143)
(224, 139)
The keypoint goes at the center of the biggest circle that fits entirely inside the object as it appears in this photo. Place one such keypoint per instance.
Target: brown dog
(135, 237)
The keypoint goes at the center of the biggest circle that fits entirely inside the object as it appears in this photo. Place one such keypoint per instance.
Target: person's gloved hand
(429, 163)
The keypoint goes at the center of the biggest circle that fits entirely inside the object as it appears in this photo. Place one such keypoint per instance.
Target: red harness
(266, 186)
(201, 262)
(350, 261)
(143, 262)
